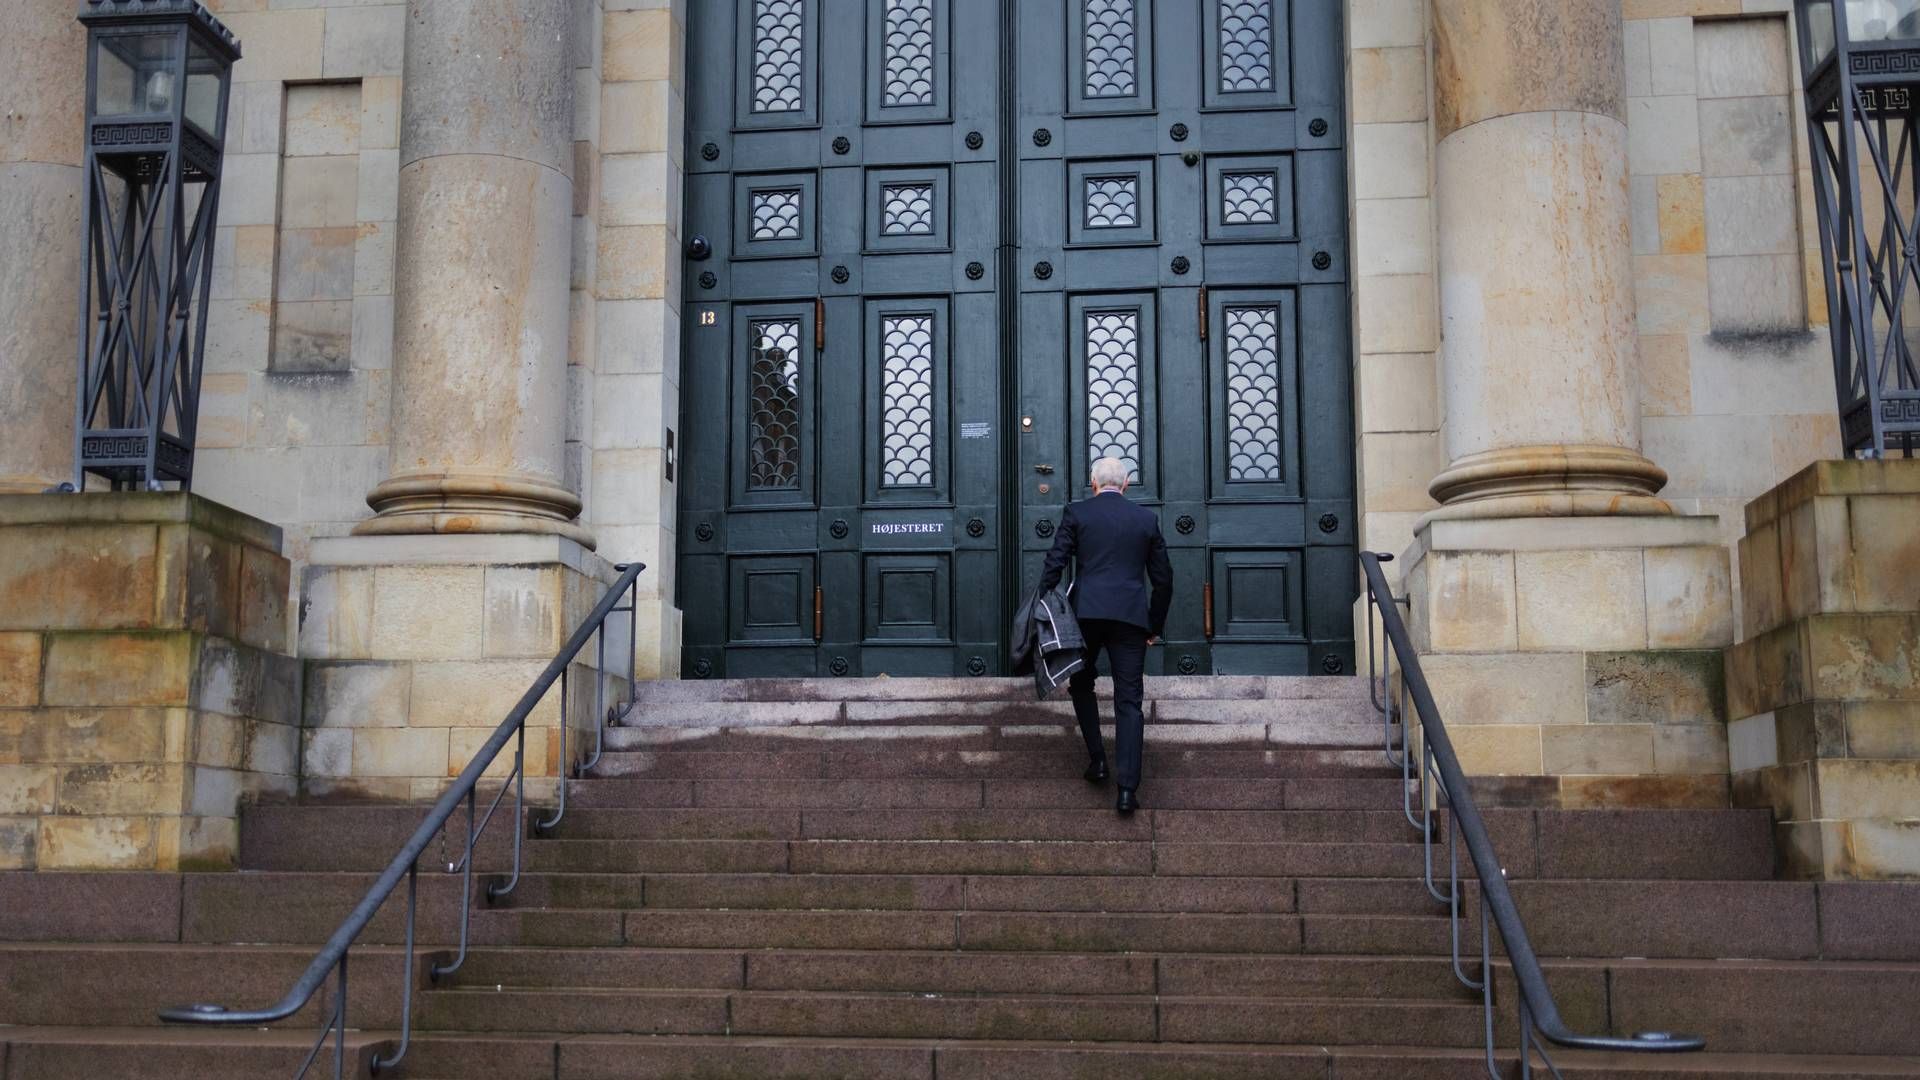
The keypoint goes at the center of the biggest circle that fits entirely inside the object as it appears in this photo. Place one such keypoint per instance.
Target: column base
(1550, 481)
(1577, 662)
(412, 505)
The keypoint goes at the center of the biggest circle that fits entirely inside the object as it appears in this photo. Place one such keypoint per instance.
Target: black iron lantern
(158, 75)
(1860, 62)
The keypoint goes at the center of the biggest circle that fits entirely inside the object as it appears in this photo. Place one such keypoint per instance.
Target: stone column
(481, 273)
(41, 129)
(1539, 363)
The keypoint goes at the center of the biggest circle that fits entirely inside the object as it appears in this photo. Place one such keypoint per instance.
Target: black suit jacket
(1119, 550)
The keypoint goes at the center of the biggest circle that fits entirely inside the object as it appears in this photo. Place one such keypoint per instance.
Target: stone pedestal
(417, 647)
(1577, 662)
(42, 125)
(1825, 688)
(145, 686)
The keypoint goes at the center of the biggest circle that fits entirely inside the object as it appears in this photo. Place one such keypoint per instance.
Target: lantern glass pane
(1819, 44)
(205, 73)
(1883, 20)
(135, 73)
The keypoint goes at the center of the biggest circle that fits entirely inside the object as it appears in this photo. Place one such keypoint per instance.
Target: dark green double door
(942, 254)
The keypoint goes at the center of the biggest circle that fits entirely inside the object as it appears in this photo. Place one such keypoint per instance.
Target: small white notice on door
(978, 429)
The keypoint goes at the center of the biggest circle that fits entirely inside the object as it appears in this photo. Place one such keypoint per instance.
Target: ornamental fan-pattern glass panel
(906, 210)
(1246, 45)
(1253, 394)
(779, 55)
(1113, 202)
(1247, 198)
(907, 49)
(906, 401)
(1110, 51)
(1113, 387)
(776, 214)
(773, 403)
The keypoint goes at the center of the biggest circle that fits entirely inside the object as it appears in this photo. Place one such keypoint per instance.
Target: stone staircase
(906, 879)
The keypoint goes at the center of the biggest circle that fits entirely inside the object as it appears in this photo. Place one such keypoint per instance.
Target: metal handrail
(1539, 1015)
(333, 955)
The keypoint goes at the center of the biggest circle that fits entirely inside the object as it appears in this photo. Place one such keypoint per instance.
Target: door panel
(959, 249)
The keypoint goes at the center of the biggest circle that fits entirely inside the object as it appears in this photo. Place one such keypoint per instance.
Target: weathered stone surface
(153, 668)
(399, 752)
(1689, 597)
(337, 613)
(1855, 788)
(96, 843)
(1882, 729)
(1497, 749)
(1525, 56)
(85, 576)
(357, 694)
(27, 789)
(103, 736)
(1656, 687)
(1508, 688)
(1469, 601)
(1597, 749)
(123, 789)
(522, 611)
(427, 612)
(19, 669)
(1581, 599)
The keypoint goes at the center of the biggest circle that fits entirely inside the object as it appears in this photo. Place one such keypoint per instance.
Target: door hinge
(819, 324)
(1206, 610)
(1203, 313)
(819, 613)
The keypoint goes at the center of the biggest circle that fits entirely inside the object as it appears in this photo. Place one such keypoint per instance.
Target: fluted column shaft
(42, 129)
(1539, 365)
(481, 273)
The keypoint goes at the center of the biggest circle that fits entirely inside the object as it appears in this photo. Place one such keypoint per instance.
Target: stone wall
(1825, 687)
(145, 686)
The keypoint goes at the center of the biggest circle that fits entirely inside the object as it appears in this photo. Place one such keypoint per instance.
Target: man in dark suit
(1118, 550)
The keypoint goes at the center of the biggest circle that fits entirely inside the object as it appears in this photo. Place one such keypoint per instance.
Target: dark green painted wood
(1029, 155)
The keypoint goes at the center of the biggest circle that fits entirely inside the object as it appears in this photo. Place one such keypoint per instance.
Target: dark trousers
(1126, 648)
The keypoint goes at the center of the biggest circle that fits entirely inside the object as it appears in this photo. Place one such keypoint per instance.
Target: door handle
(1043, 470)
(1206, 609)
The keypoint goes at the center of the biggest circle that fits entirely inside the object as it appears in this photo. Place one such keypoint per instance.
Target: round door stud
(1178, 133)
(1322, 260)
(1043, 528)
(1184, 524)
(1181, 265)
(1189, 664)
(1329, 523)
(840, 274)
(1332, 664)
(839, 666)
(975, 271)
(1317, 128)
(976, 528)
(1041, 136)
(702, 668)
(841, 144)
(1043, 269)
(710, 151)
(977, 666)
(975, 140)
(707, 280)
(703, 532)
(838, 528)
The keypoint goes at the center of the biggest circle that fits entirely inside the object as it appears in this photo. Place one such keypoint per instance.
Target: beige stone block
(197, 843)
(381, 752)
(1681, 202)
(1670, 63)
(1643, 208)
(219, 742)
(1670, 294)
(1581, 599)
(122, 789)
(1801, 440)
(477, 693)
(1597, 749)
(1382, 23)
(1884, 551)
(639, 189)
(1690, 749)
(254, 117)
(373, 335)
(379, 195)
(1856, 788)
(380, 113)
(635, 336)
(265, 587)
(634, 263)
(224, 409)
(1398, 314)
(1743, 58)
(326, 752)
(322, 120)
(1751, 743)
(1497, 749)
(249, 189)
(337, 613)
(1689, 597)
(427, 612)
(17, 836)
(1883, 729)
(1395, 469)
(1663, 135)
(78, 577)
(631, 487)
(1665, 375)
(315, 264)
(1755, 294)
(1664, 687)
(1399, 392)
(1470, 604)
(1389, 84)
(1878, 848)
(523, 611)
(319, 193)
(1508, 688)
(1709, 457)
(1752, 215)
(238, 334)
(638, 45)
(1763, 599)
(1863, 657)
(373, 258)
(19, 669)
(465, 742)
(1746, 136)
(1393, 236)
(27, 789)
(309, 337)
(357, 694)
(104, 736)
(96, 843)
(281, 44)
(1390, 160)
(362, 41)
(118, 669)
(638, 117)
(1785, 789)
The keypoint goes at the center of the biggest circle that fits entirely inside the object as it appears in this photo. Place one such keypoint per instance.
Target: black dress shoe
(1126, 804)
(1096, 772)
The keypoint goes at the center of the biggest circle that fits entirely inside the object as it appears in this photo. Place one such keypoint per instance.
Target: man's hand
(1152, 640)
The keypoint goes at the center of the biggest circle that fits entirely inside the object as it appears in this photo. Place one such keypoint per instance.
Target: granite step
(930, 794)
(1063, 761)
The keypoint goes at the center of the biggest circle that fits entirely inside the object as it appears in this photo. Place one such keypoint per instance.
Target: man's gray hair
(1110, 472)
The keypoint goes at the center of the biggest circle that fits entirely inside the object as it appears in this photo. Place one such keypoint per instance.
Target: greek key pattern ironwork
(906, 209)
(776, 214)
(1246, 45)
(1110, 49)
(779, 55)
(907, 51)
(1247, 198)
(773, 389)
(1112, 202)
(1253, 394)
(1876, 62)
(131, 134)
(906, 401)
(1113, 386)
(202, 159)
